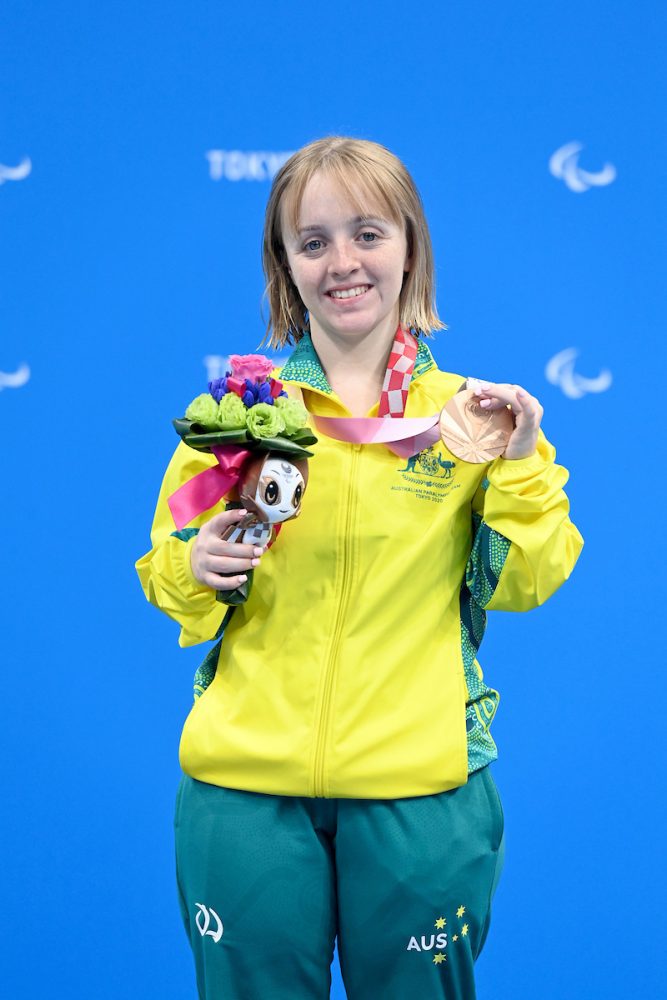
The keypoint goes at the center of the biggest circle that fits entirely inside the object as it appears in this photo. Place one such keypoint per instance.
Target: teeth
(350, 292)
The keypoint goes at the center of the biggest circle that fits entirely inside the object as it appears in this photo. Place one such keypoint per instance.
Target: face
(349, 273)
(279, 490)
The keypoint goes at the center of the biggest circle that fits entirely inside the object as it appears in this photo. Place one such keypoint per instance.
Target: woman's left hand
(527, 415)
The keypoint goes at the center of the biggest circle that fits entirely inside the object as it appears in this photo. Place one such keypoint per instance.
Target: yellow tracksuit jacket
(351, 671)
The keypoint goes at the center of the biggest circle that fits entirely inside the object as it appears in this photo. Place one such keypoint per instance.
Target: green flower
(293, 413)
(203, 410)
(231, 413)
(265, 421)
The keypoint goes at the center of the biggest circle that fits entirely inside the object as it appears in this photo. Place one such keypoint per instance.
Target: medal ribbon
(398, 376)
(402, 435)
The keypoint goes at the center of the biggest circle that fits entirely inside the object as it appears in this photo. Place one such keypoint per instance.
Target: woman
(337, 774)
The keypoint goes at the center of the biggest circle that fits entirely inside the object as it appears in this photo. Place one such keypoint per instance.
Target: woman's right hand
(211, 555)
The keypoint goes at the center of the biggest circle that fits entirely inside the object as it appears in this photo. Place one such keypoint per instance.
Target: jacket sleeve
(524, 544)
(165, 572)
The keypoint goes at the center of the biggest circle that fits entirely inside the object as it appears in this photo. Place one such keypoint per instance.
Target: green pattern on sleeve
(206, 671)
(487, 557)
(185, 534)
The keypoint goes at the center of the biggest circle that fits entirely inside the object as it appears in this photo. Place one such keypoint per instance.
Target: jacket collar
(303, 365)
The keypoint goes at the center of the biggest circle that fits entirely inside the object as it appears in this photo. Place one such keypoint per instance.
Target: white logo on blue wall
(203, 920)
(237, 165)
(560, 371)
(216, 365)
(564, 164)
(14, 380)
(18, 173)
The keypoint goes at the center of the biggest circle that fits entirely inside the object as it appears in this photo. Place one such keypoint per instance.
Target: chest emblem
(427, 475)
(429, 462)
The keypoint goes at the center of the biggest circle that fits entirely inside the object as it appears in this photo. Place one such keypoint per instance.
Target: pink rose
(253, 366)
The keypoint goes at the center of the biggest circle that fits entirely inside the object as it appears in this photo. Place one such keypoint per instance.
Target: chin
(363, 321)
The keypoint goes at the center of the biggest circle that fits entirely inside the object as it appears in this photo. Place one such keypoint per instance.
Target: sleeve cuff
(535, 477)
(532, 463)
(184, 569)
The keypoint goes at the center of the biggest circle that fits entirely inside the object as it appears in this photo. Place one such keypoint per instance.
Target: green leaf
(201, 439)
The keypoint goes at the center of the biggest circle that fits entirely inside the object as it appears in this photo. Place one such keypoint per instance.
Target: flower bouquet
(246, 407)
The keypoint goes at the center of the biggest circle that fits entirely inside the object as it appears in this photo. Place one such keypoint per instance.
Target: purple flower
(283, 393)
(248, 399)
(265, 393)
(218, 388)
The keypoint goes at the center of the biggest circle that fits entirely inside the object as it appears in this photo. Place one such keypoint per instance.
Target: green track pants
(266, 882)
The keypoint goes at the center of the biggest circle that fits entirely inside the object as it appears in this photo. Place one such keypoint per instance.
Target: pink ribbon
(209, 486)
(403, 435)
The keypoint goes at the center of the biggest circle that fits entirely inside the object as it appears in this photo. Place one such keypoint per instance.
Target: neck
(355, 367)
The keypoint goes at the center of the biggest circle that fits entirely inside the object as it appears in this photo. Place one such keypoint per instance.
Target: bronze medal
(473, 433)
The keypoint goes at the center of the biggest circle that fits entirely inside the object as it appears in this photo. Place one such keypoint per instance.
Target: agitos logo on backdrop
(17, 173)
(14, 380)
(564, 164)
(237, 165)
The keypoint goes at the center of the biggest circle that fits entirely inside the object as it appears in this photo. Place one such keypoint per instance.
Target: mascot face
(279, 490)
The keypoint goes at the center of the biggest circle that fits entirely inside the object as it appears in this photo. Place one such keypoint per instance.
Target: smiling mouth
(350, 293)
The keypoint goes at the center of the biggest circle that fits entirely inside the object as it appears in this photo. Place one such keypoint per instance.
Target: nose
(343, 258)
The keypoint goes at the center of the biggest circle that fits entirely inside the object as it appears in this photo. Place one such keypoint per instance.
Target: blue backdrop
(136, 150)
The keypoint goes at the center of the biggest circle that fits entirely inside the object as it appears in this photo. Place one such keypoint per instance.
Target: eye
(298, 493)
(271, 492)
(374, 235)
(310, 243)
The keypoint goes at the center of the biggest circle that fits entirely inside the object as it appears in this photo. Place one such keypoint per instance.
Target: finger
(225, 564)
(501, 395)
(532, 409)
(224, 583)
(219, 522)
(489, 403)
(504, 393)
(216, 546)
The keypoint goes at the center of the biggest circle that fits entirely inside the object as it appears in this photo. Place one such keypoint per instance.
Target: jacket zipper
(325, 708)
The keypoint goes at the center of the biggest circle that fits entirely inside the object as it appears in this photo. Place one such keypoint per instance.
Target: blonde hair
(364, 170)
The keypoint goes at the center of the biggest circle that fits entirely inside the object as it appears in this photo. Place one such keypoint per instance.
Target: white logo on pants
(205, 913)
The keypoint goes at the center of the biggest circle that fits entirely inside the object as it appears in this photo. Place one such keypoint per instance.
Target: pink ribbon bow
(207, 487)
